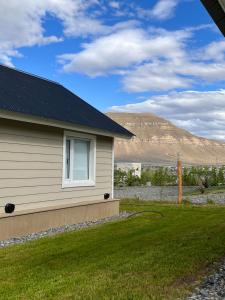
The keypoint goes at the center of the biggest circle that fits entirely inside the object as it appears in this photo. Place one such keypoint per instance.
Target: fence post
(179, 176)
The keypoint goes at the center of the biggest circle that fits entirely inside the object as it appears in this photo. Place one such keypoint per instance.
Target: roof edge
(117, 129)
(30, 74)
(216, 9)
(16, 116)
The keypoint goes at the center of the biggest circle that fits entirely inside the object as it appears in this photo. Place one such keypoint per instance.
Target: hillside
(158, 141)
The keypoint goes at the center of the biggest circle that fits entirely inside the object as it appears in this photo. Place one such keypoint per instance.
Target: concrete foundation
(26, 222)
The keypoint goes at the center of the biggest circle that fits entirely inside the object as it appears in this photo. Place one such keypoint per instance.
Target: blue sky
(160, 56)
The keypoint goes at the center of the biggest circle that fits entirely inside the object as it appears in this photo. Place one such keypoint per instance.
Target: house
(56, 156)
(216, 9)
(126, 166)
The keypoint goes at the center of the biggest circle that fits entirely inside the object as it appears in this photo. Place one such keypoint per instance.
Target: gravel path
(65, 228)
(212, 287)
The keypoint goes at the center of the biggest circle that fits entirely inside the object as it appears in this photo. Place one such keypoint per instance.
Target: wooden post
(179, 176)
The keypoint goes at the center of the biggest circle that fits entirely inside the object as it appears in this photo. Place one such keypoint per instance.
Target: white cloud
(214, 51)
(114, 4)
(149, 60)
(144, 58)
(202, 113)
(21, 23)
(157, 76)
(124, 48)
(164, 9)
(168, 75)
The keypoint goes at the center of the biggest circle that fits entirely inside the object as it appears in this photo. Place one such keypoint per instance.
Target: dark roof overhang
(25, 95)
(216, 9)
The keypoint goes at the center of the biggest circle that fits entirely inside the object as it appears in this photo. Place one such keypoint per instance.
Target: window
(79, 160)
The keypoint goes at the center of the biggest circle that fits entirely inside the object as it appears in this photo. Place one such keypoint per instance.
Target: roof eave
(216, 11)
(5, 114)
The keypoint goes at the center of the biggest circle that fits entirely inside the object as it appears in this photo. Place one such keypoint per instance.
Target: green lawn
(143, 257)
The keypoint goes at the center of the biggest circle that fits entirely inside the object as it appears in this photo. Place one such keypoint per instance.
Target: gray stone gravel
(212, 287)
(167, 193)
(57, 230)
(217, 198)
(160, 193)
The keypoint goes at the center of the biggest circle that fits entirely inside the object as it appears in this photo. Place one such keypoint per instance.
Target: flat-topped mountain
(158, 141)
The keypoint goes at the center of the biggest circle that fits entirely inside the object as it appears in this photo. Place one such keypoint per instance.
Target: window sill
(78, 184)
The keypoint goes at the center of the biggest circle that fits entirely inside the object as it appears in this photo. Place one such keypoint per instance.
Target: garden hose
(146, 211)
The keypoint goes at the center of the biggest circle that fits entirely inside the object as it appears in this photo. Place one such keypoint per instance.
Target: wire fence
(173, 182)
(153, 193)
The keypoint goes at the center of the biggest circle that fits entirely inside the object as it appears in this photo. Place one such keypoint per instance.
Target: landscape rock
(57, 230)
(212, 287)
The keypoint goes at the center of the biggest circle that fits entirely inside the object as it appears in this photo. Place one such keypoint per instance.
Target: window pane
(67, 159)
(81, 160)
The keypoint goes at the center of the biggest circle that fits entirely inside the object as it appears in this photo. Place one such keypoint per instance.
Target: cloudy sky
(161, 56)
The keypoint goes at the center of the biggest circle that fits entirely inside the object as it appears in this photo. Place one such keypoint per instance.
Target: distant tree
(214, 177)
(120, 178)
(220, 176)
(146, 176)
(132, 180)
(190, 176)
(194, 176)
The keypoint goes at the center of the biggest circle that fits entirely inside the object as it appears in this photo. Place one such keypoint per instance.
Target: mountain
(158, 141)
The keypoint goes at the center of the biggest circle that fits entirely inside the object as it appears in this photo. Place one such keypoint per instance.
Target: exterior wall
(31, 163)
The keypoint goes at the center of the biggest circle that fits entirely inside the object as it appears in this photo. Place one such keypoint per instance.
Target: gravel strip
(212, 287)
(65, 228)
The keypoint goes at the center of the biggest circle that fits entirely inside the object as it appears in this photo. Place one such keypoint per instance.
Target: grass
(143, 257)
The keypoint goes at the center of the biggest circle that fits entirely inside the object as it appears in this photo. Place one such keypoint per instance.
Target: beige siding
(31, 162)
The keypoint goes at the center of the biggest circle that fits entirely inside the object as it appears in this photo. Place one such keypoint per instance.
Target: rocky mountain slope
(158, 141)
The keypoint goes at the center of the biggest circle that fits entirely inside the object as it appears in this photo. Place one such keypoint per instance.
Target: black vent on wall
(9, 208)
(106, 196)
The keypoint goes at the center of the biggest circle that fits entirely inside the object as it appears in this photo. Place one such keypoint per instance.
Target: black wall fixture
(106, 196)
(9, 208)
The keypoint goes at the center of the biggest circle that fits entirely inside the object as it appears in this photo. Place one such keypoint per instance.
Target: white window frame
(92, 160)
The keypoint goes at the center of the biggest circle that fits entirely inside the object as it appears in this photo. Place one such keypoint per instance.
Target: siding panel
(52, 204)
(21, 139)
(29, 157)
(45, 189)
(14, 174)
(34, 182)
(6, 147)
(44, 197)
(31, 167)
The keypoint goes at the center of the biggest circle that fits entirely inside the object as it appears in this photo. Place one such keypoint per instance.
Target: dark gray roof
(216, 12)
(32, 95)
